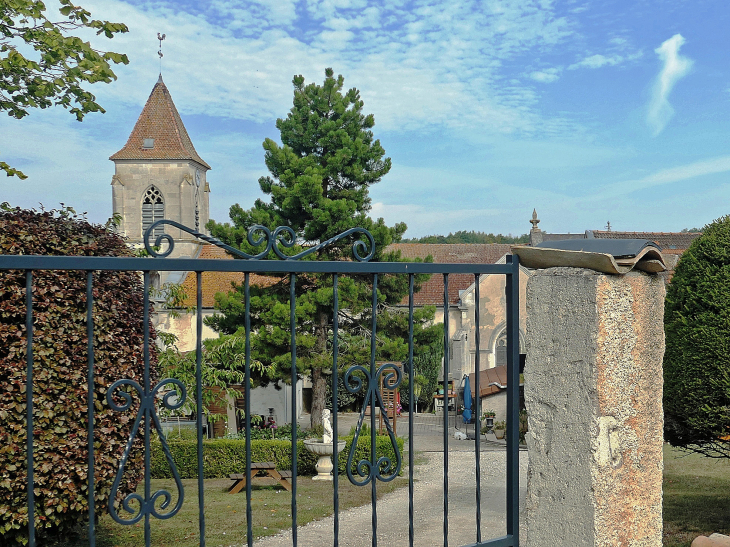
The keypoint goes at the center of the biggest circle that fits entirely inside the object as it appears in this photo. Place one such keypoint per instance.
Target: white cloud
(680, 173)
(417, 65)
(598, 60)
(546, 76)
(673, 69)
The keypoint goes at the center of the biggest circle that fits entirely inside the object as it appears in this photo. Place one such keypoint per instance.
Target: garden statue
(327, 437)
(324, 448)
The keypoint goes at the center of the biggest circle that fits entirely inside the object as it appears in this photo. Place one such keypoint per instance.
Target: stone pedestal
(324, 451)
(593, 392)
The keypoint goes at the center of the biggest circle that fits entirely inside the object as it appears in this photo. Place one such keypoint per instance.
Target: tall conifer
(318, 186)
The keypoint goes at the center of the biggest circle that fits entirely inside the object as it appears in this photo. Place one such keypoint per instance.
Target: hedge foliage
(697, 357)
(60, 394)
(221, 457)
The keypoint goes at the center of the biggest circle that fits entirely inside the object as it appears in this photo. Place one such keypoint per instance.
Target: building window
(500, 351)
(500, 348)
(153, 209)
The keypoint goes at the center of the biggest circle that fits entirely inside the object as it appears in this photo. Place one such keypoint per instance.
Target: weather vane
(160, 37)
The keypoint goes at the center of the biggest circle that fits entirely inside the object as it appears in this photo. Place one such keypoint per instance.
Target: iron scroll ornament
(148, 412)
(381, 468)
(259, 235)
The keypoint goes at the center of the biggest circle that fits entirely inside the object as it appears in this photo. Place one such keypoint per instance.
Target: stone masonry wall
(593, 391)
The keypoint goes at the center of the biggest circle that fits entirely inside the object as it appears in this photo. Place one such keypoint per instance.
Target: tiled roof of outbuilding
(432, 291)
(160, 121)
(486, 377)
(670, 242)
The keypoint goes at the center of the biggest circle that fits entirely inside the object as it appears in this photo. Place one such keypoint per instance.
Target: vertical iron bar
(373, 401)
(446, 410)
(147, 417)
(29, 403)
(335, 355)
(199, 404)
(411, 376)
(513, 397)
(90, 408)
(478, 420)
(247, 410)
(293, 325)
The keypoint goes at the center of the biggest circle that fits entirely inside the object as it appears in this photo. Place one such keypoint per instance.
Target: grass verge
(225, 514)
(696, 496)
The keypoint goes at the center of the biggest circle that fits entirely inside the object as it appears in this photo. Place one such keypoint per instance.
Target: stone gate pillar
(593, 392)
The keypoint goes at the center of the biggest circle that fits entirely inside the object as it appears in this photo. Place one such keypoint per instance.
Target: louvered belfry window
(153, 209)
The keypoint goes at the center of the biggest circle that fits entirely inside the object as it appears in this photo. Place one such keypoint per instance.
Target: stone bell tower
(158, 174)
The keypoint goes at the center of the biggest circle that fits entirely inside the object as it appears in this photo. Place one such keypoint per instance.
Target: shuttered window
(153, 209)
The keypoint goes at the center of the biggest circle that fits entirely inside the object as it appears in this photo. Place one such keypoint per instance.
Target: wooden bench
(269, 468)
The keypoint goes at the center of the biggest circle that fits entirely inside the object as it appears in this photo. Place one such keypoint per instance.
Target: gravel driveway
(356, 523)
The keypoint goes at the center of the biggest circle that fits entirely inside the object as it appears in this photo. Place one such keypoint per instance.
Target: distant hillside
(470, 237)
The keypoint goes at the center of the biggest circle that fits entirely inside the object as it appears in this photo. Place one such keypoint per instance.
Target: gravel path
(356, 523)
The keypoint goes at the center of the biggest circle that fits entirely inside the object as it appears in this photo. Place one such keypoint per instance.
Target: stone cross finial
(535, 221)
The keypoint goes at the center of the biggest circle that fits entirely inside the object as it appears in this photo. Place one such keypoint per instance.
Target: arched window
(500, 350)
(500, 347)
(153, 209)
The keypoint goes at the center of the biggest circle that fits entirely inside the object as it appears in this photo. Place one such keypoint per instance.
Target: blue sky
(588, 111)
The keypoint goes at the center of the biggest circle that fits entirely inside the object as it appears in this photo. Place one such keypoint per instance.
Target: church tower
(158, 174)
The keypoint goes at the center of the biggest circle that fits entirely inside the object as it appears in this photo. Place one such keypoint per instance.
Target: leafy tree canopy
(60, 63)
(318, 186)
(463, 236)
(697, 357)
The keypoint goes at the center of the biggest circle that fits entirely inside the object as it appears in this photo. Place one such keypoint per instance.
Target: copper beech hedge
(60, 394)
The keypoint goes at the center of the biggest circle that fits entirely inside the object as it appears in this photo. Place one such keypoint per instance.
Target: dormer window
(148, 144)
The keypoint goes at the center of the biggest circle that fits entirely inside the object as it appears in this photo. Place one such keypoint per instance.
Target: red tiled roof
(432, 291)
(215, 282)
(486, 377)
(670, 242)
(160, 121)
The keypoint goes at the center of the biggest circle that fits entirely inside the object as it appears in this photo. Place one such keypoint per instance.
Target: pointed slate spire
(159, 132)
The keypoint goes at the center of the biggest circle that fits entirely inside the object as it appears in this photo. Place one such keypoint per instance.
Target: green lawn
(696, 497)
(225, 514)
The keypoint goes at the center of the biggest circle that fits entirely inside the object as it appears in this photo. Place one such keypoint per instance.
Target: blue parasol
(467, 401)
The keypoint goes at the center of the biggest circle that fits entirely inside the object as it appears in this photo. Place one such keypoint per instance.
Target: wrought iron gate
(157, 504)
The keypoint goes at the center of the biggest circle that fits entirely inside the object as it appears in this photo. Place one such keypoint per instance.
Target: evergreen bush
(697, 356)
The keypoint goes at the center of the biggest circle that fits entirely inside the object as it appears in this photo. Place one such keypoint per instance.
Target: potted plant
(500, 428)
(488, 420)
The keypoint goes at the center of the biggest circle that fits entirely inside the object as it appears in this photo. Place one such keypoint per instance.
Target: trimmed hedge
(221, 457)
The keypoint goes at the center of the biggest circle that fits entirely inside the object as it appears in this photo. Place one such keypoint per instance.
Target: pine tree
(318, 186)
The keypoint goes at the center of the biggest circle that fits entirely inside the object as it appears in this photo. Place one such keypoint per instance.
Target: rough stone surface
(593, 391)
(720, 540)
(715, 540)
